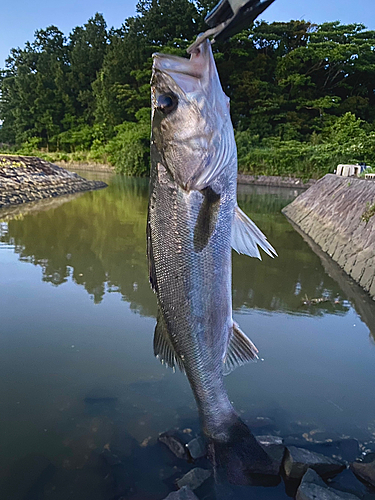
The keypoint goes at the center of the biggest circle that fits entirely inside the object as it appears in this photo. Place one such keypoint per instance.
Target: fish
(193, 223)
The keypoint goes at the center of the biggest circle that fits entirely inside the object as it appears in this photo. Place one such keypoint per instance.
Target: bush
(345, 141)
(129, 150)
(76, 139)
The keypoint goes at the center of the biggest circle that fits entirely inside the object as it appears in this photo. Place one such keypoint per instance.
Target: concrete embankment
(89, 167)
(25, 179)
(274, 181)
(335, 213)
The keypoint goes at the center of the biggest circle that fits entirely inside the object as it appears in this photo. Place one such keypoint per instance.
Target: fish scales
(194, 287)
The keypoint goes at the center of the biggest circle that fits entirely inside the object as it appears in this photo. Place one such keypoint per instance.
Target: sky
(19, 19)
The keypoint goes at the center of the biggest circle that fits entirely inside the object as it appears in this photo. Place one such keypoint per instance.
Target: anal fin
(246, 236)
(240, 350)
(163, 347)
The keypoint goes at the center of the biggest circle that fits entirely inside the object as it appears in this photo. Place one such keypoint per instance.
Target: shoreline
(275, 181)
(248, 179)
(84, 166)
(25, 179)
(333, 215)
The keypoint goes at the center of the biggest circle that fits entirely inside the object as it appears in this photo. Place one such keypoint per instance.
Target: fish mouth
(190, 74)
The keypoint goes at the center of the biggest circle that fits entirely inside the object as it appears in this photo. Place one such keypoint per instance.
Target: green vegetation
(302, 95)
(369, 170)
(368, 213)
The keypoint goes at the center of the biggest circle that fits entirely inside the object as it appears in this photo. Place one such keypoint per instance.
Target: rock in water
(313, 488)
(194, 478)
(197, 448)
(183, 494)
(364, 471)
(276, 452)
(274, 447)
(347, 481)
(269, 440)
(174, 441)
(298, 460)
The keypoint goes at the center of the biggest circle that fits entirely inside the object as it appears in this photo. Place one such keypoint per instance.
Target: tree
(87, 49)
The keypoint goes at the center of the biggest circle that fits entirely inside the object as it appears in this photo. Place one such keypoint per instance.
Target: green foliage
(78, 138)
(302, 95)
(30, 146)
(345, 141)
(129, 150)
(369, 170)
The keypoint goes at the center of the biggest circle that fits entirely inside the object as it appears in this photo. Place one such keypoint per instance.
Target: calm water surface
(77, 371)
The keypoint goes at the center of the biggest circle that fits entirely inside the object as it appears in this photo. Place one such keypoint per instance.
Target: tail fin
(237, 459)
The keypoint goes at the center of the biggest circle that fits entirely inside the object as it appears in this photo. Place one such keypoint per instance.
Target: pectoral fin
(246, 236)
(163, 347)
(150, 256)
(240, 350)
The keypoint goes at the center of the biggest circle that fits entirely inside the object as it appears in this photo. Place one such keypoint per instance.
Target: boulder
(275, 449)
(268, 440)
(364, 471)
(312, 487)
(298, 460)
(184, 493)
(348, 482)
(194, 478)
(175, 441)
(197, 448)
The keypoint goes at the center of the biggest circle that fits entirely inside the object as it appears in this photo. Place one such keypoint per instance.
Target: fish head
(191, 125)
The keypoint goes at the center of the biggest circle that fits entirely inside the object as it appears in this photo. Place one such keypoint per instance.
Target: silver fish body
(191, 250)
(193, 222)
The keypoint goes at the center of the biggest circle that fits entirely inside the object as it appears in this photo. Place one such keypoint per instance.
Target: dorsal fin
(163, 347)
(246, 236)
(240, 350)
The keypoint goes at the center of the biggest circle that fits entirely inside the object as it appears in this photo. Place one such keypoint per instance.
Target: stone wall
(274, 180)
(330, 213)
(89, 167)
(24, 179)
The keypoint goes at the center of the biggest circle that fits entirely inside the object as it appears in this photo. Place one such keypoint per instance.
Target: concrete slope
(331, 214)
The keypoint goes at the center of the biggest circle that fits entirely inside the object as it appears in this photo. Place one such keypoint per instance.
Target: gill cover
(191, 126)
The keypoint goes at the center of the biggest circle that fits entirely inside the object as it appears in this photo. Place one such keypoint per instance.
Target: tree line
(302, 95)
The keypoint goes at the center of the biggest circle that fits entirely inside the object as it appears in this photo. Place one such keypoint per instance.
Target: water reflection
(98, 241)
(361, 300)
(79, 379)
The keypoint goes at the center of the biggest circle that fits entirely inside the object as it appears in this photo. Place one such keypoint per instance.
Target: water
(77, 371)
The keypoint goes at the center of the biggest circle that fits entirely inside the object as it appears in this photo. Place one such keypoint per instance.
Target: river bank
(85, 166)
(338, 215)
(275, 180)
(25, 179)
(256, 180)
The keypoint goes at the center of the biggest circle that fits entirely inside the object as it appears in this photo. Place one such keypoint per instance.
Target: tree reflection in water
(98, 241)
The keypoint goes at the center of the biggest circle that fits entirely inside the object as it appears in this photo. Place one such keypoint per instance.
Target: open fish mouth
(191, 74)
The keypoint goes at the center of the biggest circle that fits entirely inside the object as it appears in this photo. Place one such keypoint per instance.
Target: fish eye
(167, 103)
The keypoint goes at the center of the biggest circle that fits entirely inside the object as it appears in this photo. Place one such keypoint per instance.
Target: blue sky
(20, 18)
